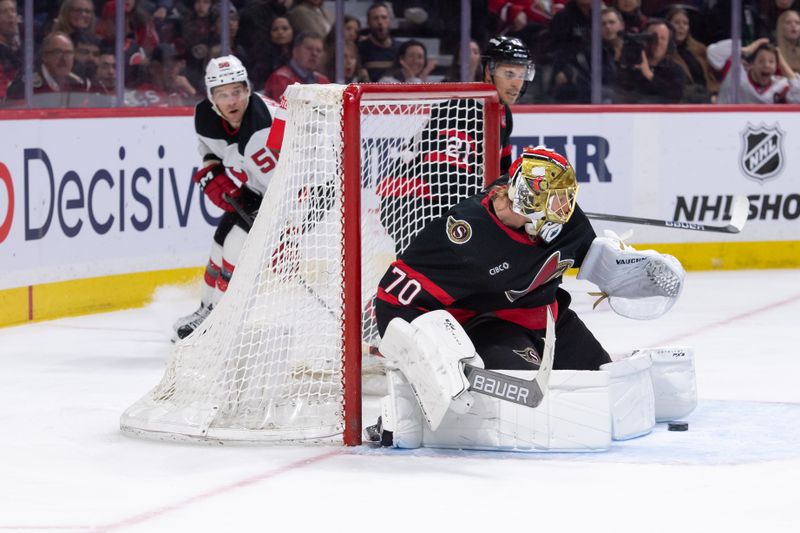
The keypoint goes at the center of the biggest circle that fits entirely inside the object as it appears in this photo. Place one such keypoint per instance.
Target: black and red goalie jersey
(471, 264)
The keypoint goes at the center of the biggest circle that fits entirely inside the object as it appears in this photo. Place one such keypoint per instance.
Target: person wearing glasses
(53, 80)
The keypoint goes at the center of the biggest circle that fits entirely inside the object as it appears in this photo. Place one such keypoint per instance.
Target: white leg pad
(574, 416)
(400, 413)
(674, 381)
(430, 352)
(631, 395)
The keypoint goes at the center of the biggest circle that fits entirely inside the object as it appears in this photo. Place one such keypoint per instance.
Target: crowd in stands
(653, 51)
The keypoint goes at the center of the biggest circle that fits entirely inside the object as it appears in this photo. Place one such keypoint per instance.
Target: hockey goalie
(473, 318)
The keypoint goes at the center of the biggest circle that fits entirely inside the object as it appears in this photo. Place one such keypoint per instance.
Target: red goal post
(279, 359)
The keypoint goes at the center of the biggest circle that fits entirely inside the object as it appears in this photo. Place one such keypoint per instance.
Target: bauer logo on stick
(762, 151)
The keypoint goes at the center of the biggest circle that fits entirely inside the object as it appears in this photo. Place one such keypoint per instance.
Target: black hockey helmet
(509, 50)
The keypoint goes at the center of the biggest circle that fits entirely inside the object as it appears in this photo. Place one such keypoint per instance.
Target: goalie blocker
(429, 403)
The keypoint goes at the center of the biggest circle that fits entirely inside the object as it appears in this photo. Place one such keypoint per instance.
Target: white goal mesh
(272, 361)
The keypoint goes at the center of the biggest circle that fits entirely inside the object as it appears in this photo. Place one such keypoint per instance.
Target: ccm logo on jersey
(458, 231)
(498, 269)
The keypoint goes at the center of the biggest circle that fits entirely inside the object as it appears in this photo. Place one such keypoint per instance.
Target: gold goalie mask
(542, 187)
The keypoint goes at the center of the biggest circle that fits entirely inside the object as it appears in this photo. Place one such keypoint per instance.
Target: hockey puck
(678, 426)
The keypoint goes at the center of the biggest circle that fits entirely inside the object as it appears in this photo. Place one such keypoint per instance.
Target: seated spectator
(163, 84)
(572, 76)
(140, 32)
(53, 78)
(256, 19)
(302, 67)
(87, 55)
(787, 35)
(105, 79)
(378, 50)
(760, 84)
(75, 16)
(351, 31)
(635, 21)
(660, 76)
(704, 82)
(353, 71)
(411, 65)
(197, 40)
(771, 11)
(474, 70)
(308, 16)
(10, 52)
(233, 30)
(274, 54)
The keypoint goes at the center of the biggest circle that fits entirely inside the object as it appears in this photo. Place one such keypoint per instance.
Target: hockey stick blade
(527, 392)
(740, 208)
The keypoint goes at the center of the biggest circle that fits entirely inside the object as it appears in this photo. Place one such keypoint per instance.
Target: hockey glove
(215, 183)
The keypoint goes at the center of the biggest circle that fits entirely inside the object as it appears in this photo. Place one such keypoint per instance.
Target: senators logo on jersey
(552, 268)
(458, 231)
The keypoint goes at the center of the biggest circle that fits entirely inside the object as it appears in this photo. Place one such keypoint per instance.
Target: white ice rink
(64, 465)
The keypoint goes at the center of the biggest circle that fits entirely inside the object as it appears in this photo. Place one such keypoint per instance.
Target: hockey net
(361, 170)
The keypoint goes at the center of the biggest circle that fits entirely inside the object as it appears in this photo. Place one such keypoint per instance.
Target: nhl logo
(762, 151)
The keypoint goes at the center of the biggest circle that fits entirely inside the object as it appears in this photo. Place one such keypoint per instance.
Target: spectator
(570, 45)
(351, 31)
(140, 32)
(163, 84)
(75, 16)
(302, 68)
(105, 79)
(411, 65)
(571, 28)
(660, 76)
(308, 16)
(693, 54)
(760, 84)
(754, 25)
(353, 71)
(256, 19)
(771, 10)
(197, 40)
(53, 78)
(274, 54)
(787, 34)
(378, 50)
(635, 21)
(10, 53)
(474, 74)
(87, 55)
(233, 30)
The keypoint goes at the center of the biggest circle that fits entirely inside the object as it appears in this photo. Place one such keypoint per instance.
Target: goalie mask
(542, 187)
(222, 71)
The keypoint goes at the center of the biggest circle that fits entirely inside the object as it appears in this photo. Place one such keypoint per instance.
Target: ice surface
(64, 465)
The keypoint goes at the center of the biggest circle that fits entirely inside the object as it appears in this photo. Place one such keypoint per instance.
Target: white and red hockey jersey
(249, 152)
(780, 90)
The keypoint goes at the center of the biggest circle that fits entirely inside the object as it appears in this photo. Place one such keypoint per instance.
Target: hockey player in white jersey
(760, 83)
(238, 140)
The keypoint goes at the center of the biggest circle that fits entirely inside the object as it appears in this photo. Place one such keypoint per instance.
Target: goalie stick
(525, 392)
(739, 211)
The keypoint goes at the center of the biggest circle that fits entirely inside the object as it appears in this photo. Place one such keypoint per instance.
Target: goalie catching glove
(639, 284)
(215, 183)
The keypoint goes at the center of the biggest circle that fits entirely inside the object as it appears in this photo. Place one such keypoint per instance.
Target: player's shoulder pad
(259, 115)
(206, 121)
